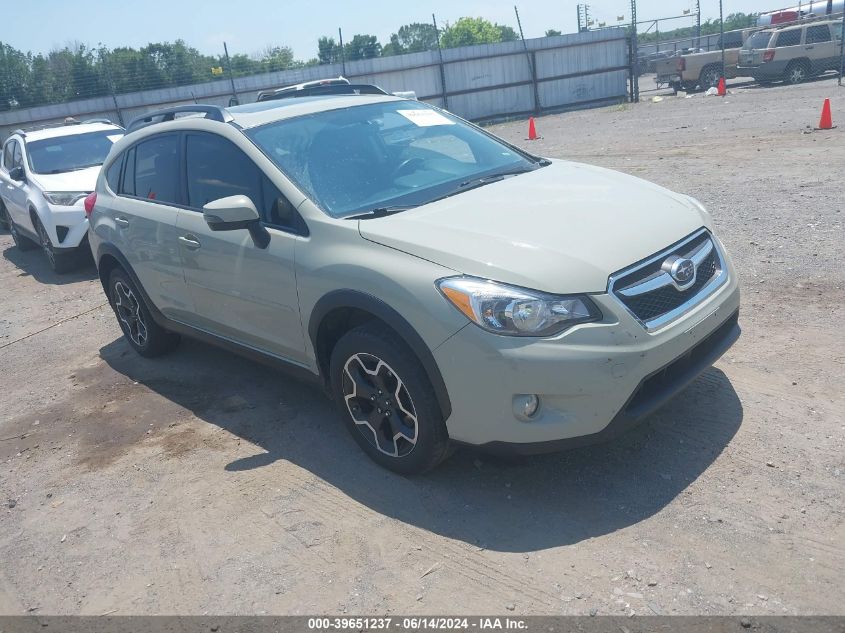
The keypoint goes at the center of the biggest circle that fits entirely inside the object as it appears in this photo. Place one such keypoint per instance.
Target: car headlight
(65, 198)
(516, 311)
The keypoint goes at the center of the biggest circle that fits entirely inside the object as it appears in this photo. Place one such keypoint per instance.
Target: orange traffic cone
(722, 88)
(826, 122)
(532, 130)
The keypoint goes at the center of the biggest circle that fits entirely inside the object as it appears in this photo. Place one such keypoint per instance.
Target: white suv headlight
(64, 198)
(516, 311)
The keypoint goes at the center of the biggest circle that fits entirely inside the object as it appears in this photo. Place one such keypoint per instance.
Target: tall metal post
(635, 53)
(722, 37)
(231, 76)
(698, 23)
(442, 69)
(842, 48)
(531, 68)
(342, 52)
(104, 59)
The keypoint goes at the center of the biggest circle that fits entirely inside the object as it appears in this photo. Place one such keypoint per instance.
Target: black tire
(796, 72)
(422, 441)
(21, 241)
(4, 216)
(60, 262)
(709, 77)
(133, 316)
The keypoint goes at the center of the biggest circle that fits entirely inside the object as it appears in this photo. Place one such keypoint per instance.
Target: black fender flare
(375, 306)
(107, 249)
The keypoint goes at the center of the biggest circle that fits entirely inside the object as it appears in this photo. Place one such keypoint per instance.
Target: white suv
(44, 177)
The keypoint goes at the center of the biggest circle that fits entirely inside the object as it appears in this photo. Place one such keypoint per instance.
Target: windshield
(71, 153)
(398, 153)
(758, 40)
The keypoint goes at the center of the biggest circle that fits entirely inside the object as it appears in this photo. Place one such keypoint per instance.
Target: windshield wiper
(486, 180)
(70, 169)
(380, 212)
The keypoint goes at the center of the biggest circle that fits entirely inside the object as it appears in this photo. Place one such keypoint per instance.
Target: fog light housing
(525, 406)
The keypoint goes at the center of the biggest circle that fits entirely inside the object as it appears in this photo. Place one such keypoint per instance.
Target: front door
(240, 291)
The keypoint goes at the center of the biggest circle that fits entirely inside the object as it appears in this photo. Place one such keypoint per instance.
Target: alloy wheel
(380, 404)
(129, 312)
(797, 74)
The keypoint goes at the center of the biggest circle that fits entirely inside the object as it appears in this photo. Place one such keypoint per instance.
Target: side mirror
(17, 174)
(233, 213)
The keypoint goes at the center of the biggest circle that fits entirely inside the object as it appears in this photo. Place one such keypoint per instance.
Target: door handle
(190, 242)
(809, 48)
(121, 222)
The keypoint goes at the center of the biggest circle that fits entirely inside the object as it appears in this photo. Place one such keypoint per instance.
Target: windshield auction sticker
(425, 118)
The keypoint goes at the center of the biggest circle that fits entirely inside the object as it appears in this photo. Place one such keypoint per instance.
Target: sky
(249, 26)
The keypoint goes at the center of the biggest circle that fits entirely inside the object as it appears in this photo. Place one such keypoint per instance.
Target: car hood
(561, 229)
(82, 180)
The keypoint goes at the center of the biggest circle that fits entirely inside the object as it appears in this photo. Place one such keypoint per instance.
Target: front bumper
(594, 381)
(66, 226)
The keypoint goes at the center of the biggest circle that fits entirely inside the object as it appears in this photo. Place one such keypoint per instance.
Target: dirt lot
(204, 483)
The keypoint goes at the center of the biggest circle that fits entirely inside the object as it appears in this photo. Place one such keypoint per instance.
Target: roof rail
(322, 90)
(212, 112)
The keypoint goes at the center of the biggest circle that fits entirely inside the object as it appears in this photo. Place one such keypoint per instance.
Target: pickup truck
(702, 70)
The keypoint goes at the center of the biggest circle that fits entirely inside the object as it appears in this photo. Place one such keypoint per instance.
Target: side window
(156, 169)
(113, 173)
(128, 185)
(216, 168)
(817, 34)
(8, 154)
(837, 31)
(789, 38)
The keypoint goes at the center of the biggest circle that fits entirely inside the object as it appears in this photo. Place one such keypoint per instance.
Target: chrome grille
(651, 293)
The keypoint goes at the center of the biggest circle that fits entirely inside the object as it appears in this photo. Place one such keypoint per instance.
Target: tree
(552, 32)
(328, 52)
(412, 38)
(275, 58)
(362, 47)
(468, 31)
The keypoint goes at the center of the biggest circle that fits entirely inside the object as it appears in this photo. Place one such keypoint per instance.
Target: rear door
(241, 292)
(821, 48)
(143, 217)
(789, 44)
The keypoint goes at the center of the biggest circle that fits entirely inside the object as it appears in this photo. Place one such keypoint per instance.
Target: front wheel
(386, 400)
(59, 262)
(145, 336)
(710, 77)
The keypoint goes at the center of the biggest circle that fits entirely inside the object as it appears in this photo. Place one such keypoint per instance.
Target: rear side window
(216, 168)
(789, 38)
(817, 34)
(113, 173)
(128, 185)
(155, 168)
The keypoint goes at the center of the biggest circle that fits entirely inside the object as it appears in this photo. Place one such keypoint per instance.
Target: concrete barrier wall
(481, 82)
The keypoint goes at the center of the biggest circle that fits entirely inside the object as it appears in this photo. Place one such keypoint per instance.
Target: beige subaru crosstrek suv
(444, 286)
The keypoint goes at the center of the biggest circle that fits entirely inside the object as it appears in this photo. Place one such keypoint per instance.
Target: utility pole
(342, 52)
(234, 100)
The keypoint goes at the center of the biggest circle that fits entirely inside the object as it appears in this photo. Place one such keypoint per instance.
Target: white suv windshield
(398, 153)
(70, 153)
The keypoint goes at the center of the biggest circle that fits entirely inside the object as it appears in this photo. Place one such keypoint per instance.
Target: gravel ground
(170, 486)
